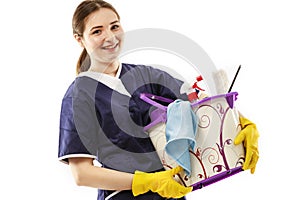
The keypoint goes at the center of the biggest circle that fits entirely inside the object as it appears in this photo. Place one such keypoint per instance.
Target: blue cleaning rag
(181, 129)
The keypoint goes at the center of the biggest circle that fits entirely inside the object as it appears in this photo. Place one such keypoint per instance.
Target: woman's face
(102, 36)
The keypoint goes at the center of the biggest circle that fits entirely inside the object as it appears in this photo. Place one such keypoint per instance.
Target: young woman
(102, 115)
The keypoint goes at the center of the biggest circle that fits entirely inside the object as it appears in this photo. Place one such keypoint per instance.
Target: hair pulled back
(83, 10)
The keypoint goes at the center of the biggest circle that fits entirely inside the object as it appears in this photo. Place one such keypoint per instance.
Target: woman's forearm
(86, 174)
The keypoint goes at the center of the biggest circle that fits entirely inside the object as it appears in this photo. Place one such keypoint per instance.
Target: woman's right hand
(159, 182)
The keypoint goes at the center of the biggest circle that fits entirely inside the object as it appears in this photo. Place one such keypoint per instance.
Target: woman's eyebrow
(114, 22)
(96, 27)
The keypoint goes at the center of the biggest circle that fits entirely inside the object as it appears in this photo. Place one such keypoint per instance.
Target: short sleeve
(70, 144)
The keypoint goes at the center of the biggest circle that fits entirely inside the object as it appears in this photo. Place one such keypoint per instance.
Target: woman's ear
(79, 40)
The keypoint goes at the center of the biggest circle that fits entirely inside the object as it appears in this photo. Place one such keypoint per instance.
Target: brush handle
(234, 79)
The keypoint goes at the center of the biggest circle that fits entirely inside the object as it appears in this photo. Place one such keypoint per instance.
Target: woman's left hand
(249, 136)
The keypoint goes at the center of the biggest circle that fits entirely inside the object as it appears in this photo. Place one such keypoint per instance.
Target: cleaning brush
(222, 82)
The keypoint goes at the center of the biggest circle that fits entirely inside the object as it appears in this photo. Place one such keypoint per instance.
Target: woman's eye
(96, 32)
(114, 27)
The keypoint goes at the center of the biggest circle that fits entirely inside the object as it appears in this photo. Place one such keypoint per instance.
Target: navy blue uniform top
(102, 117)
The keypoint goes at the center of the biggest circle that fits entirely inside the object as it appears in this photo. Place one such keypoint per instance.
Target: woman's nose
(109, 35)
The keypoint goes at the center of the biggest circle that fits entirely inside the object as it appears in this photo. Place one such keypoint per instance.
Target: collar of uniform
(112, 82)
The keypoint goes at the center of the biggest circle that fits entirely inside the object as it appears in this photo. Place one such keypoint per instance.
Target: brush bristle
(221, 81)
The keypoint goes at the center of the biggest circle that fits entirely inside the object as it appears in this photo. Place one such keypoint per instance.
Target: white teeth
(110, 47)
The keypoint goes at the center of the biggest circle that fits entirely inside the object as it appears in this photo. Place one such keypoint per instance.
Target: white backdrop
(38, 57)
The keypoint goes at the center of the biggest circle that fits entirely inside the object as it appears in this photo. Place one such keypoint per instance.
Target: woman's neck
(109, 69)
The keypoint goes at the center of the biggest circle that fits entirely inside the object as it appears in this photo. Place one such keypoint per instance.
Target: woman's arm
(86, 173)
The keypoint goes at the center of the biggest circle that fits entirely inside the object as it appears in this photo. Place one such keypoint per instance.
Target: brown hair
(83, 10)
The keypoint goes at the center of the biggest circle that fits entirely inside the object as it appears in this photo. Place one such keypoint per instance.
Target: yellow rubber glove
(249, 136)
(160, 182)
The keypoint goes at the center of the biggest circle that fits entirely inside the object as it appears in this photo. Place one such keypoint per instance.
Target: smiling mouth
(111, 47)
